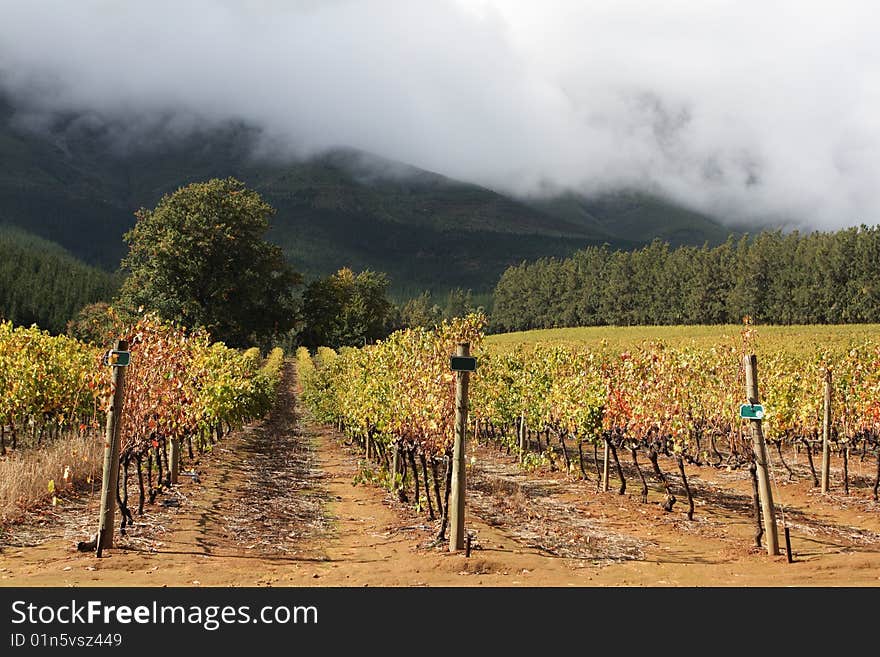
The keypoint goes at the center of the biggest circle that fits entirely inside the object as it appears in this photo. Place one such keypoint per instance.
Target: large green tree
(421, 311)
(345, 309)
(200, 259)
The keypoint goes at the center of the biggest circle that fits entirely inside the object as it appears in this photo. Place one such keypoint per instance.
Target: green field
(795, 338)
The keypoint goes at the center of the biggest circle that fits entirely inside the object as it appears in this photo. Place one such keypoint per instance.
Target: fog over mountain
(751, 109)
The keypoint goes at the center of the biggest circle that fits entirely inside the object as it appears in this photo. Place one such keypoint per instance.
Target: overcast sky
(748, 108)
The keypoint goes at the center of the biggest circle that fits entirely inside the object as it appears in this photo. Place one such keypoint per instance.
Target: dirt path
(274, 505)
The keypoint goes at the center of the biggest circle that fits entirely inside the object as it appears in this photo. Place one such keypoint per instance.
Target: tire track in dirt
(254, 497)
(269, 496)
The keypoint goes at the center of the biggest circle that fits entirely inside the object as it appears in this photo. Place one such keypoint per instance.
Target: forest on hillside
(773, 277)
(42, 284)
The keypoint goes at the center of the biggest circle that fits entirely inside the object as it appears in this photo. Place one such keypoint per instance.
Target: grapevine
(180, 389)
(649, 401)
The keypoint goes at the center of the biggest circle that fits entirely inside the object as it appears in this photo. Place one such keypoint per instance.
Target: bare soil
(274, 505)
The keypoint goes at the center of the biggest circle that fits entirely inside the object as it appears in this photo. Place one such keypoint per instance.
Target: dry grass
(25, 475)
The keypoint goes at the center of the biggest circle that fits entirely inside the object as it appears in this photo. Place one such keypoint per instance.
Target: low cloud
(749, 110)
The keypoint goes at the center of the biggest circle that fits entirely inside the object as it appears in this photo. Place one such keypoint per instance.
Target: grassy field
(790, 338)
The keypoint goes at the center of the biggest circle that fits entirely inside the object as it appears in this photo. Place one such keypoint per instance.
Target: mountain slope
(41, 283)
(77, 183)
(634, 216)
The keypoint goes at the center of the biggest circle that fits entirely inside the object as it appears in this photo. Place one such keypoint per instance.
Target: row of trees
(773, 277)
(199, 259)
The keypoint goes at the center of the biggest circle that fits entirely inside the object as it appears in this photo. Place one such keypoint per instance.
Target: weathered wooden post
(605, 468)
(826, 433)
(395, 466)
(174, 461)
(118, 359)
(522, 436)
(754, 412)
(462, 364)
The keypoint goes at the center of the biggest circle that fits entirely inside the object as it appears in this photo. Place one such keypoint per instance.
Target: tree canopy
(773, 277)
(423, 311)
(346, 309)
(200, 259)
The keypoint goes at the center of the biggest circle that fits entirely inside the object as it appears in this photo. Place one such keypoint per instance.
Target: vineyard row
(395, 398)
(181, 393)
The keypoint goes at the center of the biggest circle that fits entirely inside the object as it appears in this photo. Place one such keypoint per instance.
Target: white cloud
(749, 108)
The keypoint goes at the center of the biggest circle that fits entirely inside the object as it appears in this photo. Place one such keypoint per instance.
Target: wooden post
(456, 526)
(110, 478)
(605, 468)
(826, 434)
(765, 493)
(174, 461)
(522, 436)
(395, 466)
